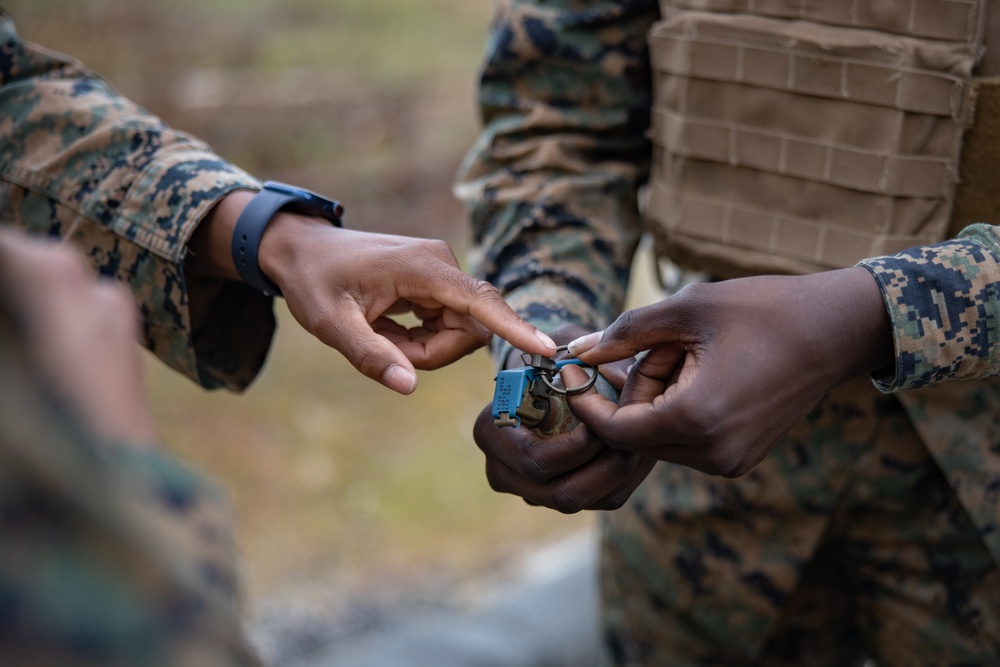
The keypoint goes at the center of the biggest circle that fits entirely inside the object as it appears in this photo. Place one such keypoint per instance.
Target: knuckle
(494, 478)
(531, 465)
(565, 499)
(740, 468)
(693, 303)
(623, 328)
(439, 246)
(692, 293)
(67, 265)
(481, 336)
(483, 429)
(617, 499)
(724, 461)
(618, 439)
(703, 417)
(318, 320)
(115, 303)
(622, 464)
(366, 359)
(482, 289)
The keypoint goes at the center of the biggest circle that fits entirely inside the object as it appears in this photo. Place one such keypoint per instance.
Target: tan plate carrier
(798, 136)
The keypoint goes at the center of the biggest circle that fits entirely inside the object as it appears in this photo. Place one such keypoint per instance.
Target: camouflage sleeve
(79, 161)
(111, 555)
(552, 182)
(944, 304)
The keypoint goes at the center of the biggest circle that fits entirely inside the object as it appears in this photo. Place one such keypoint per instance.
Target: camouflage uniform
(80, 162)
(872, 527)
(112, 555)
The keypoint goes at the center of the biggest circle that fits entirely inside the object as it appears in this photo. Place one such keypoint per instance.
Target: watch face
(308, 201)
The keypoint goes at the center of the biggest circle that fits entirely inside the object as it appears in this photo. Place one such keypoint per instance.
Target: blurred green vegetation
(371, 101)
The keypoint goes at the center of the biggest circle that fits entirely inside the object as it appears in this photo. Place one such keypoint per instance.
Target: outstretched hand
(732, 366)
(343, 285)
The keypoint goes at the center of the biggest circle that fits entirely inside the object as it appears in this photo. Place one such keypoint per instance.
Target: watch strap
(250, 228)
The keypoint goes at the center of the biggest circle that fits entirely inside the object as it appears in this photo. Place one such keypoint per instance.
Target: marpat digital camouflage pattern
(112, 554)
(854, 534)
(80, 162)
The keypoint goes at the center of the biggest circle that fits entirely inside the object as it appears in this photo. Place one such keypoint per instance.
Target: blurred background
(351, 501)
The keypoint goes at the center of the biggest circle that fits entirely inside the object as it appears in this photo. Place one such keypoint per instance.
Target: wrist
(257, 217)
(867, 338)
(876, 321)
(285, 235)
(210, 248)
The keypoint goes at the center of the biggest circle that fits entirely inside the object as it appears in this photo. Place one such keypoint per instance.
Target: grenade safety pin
(522, 394)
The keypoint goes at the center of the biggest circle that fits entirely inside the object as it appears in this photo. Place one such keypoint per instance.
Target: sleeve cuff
(943, 303)
(216, 332)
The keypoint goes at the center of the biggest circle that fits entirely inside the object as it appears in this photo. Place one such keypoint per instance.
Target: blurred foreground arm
(80, 162)
(113, 553)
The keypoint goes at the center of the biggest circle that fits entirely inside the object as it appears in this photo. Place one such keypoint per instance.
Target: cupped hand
(562, 464)
(732, 366)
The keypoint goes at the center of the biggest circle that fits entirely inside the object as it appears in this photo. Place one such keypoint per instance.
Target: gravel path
(544, 616)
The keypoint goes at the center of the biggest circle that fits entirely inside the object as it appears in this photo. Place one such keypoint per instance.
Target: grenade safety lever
(522, 394)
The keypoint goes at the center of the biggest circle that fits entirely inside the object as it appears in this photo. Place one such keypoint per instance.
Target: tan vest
(793, 136)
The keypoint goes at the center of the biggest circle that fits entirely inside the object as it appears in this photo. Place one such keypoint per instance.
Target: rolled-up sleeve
(944, 304)
(80, 162)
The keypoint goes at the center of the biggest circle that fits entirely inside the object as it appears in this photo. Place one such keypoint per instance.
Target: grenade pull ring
(548, 368)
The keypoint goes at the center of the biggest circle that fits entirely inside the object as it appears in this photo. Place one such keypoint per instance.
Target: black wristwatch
(254, 218)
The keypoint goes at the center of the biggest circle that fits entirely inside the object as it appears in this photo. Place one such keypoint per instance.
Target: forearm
(551, 184)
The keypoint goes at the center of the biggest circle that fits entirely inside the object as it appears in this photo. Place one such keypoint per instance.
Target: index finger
(481, 300)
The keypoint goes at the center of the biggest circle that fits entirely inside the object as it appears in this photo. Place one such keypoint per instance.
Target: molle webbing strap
(978, 196)
(946, 20)
(790, 146)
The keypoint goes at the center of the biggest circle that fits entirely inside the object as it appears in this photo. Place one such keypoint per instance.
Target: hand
(732, 366)
(81, 335)
(341, 286)
(568, 468)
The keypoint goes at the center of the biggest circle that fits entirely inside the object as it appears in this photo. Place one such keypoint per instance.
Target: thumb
(372, 354)
(633, 332)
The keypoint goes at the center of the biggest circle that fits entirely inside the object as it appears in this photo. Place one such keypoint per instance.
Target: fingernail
(399, 379)
(546, 341)
(584, 343)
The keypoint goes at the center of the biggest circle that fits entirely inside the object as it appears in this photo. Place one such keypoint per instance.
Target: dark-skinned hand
(561, 465)
(733, 365)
